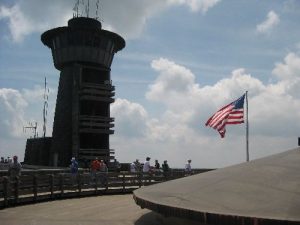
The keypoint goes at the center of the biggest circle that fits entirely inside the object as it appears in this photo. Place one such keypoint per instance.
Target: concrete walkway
(104, 210)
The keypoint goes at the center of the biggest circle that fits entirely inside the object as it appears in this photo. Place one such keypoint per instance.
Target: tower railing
(106, 85)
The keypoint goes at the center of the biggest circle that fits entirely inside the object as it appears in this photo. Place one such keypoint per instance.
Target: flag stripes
(232, 113)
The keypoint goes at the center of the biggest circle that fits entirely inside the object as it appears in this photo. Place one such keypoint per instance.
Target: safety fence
(37, 187)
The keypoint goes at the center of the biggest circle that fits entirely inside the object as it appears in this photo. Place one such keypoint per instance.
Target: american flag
(232, 113)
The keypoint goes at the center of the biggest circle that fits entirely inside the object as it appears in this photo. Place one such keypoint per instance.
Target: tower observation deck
(83, 53)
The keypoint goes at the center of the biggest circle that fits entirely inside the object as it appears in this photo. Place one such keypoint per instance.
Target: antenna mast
(31, 126)
(97, 10)
(84, 7)
(75, 9)
(45, 110)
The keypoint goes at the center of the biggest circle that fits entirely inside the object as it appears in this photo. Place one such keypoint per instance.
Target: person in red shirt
(95, 167)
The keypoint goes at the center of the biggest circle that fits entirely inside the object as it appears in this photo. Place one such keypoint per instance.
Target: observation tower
(83, 53)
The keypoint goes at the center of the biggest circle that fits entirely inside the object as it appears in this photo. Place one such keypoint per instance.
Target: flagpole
(247, 129)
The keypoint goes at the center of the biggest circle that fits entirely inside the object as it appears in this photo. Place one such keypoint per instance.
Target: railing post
(106, 180)
(79, 183)
(96, 182)
(5, 190)
(35, 187)
(123, 179)
(17, 186)
(51, 182)
(150, 177)
(140, 178)
(61, 184)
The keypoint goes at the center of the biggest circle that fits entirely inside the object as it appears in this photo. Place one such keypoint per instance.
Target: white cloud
(271, 21)
(17, 109)
(179, 133)
(18, 25)
(26, 17)
(12, 111)
(196, 5)
(288, 74)
(289, 69)
(127, 18)
(173, 79)
(130, 118)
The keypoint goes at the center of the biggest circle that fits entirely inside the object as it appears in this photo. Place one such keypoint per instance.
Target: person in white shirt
(147, 167)
(132, 167)
(138, 166)
(188, 167)
(14, 169)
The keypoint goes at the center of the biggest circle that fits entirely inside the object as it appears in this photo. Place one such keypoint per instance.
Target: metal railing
(36, 187)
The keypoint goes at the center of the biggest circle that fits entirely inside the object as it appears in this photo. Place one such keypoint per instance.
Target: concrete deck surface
(266, 188)
(104, 210)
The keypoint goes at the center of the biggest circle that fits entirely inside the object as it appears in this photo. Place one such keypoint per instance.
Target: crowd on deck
(100, 166)
(146, 167)
(13, 166)
(6, 160)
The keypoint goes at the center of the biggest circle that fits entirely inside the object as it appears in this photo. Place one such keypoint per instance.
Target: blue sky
(183, 60)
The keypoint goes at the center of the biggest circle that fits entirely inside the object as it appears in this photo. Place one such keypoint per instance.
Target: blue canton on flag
(232, 113)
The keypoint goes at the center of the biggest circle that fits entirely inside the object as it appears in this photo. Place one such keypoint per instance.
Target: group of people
(146, 167)
(6, 160)
(95, 166)
(14, 167)
(100, 166)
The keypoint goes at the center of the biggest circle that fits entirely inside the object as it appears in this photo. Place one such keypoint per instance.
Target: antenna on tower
(75, 9)
(45, 110)
(97, 10)
(82, 7)
(82, 3)
(87, 8)
(31, 126)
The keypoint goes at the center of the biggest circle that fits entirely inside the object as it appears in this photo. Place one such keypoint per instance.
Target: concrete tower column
(83, 52)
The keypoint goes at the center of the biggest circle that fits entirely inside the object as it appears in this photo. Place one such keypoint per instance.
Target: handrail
(41, 187)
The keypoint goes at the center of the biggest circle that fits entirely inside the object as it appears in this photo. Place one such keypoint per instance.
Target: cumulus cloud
(289, 69)
(26, 17)
(12, 111)
(271, 21)
(18, 25)
(173, 79)
(130, 118)
(179, 131)
(17, 109)
(196, 5)
(127, 18)
(16, 105)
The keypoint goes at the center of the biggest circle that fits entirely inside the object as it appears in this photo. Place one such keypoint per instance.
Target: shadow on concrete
(153, 218)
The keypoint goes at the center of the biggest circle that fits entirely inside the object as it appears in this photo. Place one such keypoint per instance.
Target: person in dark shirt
(165, 168)
(157, 165)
